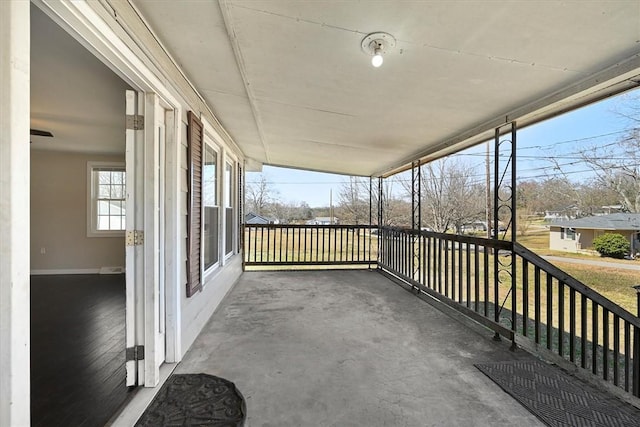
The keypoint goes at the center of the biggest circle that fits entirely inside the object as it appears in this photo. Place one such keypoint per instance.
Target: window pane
(104, 191)
(103, 222)
(117, 192)
(210, 241)
(210, 201)
(104, 177)
(209, 178)
(228, 247)
(228, 173)
(117, 177)
(114, 223)
(103, 207)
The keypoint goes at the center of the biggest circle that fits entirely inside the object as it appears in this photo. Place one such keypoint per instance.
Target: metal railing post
(416, 220)
(380, 221)
(371, 216)
(636, 349)
(504, 200)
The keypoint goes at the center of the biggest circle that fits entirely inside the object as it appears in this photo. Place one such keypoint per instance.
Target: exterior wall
(556, 242)
(59, 216)
(584, 238)
(196, 310)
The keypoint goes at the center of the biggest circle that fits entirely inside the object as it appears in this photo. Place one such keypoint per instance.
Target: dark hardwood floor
(77, 349)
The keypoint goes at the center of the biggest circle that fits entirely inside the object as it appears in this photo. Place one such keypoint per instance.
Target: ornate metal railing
(531, 301)
(310, 245)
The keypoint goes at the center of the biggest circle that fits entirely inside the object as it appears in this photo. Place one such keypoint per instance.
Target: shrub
(612, 245)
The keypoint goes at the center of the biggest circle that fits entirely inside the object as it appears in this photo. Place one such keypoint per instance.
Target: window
(210, 202)
(228, 205)
(207, 196)
(106, 195)
(568, 233)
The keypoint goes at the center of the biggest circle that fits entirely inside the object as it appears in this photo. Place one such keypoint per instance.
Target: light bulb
(377, 60)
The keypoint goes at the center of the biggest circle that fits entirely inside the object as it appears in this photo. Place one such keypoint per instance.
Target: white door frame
(82, 21)
(154, 235)
(14, 221)
(134, 255)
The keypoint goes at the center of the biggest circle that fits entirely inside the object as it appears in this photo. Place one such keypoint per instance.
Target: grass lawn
(538, 241)
(615, 284)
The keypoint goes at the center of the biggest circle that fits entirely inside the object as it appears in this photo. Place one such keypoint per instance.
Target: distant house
(577, 234)
(323, 220)
(612, 209)
(253, 218)
(474, 226)
(565, 213)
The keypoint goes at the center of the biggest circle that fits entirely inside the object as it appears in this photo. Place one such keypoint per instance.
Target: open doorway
(77, 231)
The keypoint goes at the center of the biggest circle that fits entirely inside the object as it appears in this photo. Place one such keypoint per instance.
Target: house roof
(254, 218)
(617, 221)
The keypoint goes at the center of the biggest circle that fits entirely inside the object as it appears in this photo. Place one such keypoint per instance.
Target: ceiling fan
(38, 132)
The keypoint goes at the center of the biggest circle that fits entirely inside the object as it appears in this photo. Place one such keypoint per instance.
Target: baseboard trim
(65, 271)
(111, 270)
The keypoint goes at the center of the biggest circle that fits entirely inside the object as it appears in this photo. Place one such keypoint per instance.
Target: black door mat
(557, 398)
(195, 400)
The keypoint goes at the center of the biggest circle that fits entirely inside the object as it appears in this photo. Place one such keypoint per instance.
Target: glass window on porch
(228, 204)
(210, 207)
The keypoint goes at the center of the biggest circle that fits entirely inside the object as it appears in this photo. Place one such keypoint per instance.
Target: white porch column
(14, 213)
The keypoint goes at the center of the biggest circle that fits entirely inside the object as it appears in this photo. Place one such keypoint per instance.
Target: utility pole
(331, 206)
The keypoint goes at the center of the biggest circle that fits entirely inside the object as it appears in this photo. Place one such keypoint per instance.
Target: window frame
(92, 201)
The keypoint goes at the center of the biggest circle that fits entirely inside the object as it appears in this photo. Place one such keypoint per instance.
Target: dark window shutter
(194, 211)
(240, 209)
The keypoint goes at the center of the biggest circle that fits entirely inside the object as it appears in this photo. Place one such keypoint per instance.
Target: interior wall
(59, 216)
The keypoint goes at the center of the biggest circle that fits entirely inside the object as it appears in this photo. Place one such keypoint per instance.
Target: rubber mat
(195, 400)
(557, 398)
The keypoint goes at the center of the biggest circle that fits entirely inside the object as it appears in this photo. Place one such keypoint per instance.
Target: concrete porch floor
(350, 348)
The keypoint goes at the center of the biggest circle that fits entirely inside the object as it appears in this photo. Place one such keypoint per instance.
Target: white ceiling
(73, 95)
(290, 84)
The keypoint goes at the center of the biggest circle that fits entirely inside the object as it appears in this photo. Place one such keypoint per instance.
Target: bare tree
(259, 195)
(617, 165)
(395, 211)
(451, 196)
(354, 201)
(594, 196)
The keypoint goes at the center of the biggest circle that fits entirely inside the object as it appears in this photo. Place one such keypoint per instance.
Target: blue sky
(561, 137)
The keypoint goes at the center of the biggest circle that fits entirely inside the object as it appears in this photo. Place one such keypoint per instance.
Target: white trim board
(133, 410)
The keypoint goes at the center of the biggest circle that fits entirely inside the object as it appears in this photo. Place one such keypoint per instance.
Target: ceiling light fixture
(376, 45)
